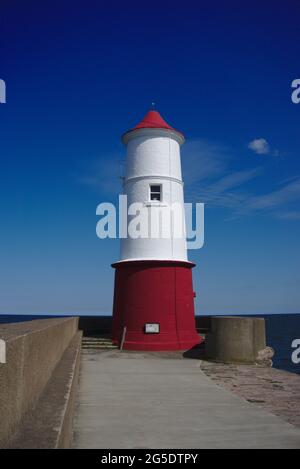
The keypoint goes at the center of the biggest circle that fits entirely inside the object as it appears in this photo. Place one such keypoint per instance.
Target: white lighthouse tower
(154, 297)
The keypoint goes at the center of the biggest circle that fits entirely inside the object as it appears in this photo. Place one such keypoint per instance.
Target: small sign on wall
(151, 328)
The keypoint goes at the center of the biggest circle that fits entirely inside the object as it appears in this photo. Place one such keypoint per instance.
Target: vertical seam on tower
(175, 300)
(171, 218)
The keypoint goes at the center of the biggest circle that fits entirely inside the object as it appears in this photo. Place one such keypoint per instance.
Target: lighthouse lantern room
(153, 296)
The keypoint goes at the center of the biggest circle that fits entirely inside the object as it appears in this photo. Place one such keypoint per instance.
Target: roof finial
(153, 105)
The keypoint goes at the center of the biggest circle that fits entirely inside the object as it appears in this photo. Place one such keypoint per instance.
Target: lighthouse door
(184, 295)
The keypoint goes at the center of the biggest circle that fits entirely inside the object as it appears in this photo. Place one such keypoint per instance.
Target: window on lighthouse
(155, 192)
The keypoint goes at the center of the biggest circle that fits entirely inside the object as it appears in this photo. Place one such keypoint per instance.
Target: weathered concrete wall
(33, 349)
(235, 339)
(50, 424)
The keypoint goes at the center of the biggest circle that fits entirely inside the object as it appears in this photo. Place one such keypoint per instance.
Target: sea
(282, 330)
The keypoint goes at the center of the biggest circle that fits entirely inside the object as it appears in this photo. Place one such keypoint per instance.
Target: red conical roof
(153, 120)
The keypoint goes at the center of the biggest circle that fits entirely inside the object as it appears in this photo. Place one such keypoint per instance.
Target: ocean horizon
(281, 330)
(99, 313)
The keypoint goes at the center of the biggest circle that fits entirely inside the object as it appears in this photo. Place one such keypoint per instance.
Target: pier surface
(276, 391)
(144, 400)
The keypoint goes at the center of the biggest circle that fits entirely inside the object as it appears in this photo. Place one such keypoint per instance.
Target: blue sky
(79, 74)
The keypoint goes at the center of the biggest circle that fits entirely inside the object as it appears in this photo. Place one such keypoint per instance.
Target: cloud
(212, 181)
(235, 179)
(259, 146)
(292, 215)
(287, 194)
(103, 174)
(262, 147)
(276, 204)
(208, 177)
(203, 160)
(222, 192)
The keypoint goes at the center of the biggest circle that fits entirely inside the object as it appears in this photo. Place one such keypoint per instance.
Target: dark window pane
(155, 192)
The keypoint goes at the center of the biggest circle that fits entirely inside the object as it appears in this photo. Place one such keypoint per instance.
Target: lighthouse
(153, 306)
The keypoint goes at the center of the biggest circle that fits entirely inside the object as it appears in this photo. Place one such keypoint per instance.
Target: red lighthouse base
(154, 292)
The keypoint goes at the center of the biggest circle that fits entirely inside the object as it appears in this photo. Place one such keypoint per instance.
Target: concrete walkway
(130, 400)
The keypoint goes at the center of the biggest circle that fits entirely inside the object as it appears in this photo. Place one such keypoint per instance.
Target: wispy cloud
(103, 174)
(209, 178)
(235, 179)
(293, 215)
(222, 192)
(220, 186)
(203, 160)
(287, 194)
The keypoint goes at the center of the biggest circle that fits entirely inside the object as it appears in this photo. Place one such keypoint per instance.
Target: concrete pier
(140, 400)
(143, 399)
